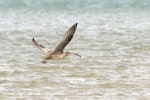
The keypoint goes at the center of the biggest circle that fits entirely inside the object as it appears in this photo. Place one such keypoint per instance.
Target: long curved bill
(76, 54)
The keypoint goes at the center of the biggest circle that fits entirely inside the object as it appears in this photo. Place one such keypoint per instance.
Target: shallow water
(114, 45)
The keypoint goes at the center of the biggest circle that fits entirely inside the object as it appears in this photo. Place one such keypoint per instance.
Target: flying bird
(58, 52)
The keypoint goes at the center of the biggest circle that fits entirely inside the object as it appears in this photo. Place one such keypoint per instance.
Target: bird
(58, 52)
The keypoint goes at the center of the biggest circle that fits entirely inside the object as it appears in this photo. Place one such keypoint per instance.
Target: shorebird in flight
(58, 51)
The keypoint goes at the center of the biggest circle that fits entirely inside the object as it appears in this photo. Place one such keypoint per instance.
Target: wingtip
(76, 23)
(33, 39)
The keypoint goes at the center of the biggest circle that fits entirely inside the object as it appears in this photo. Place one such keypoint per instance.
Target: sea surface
(113, 38)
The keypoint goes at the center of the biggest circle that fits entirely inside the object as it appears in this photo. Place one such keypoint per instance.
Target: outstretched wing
(67, 38)
(41, 47)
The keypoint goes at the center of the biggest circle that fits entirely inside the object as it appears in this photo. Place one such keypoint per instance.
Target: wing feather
(41, 47)
(67, 38)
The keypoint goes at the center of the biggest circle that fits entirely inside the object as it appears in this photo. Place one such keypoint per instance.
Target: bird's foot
(43, 62)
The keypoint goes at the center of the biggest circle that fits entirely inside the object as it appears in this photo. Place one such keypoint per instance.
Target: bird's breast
(56, 56)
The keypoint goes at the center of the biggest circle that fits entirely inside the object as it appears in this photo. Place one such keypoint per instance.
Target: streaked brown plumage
(58, 52)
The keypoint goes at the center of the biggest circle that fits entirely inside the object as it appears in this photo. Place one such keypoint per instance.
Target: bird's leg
(44, 61)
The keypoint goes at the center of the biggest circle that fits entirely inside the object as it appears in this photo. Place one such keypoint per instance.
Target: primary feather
(67, 38)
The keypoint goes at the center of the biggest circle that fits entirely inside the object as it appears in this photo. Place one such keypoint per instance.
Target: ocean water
(113, 38)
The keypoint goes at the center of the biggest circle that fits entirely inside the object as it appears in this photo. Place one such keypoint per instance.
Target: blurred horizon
(75, 4)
